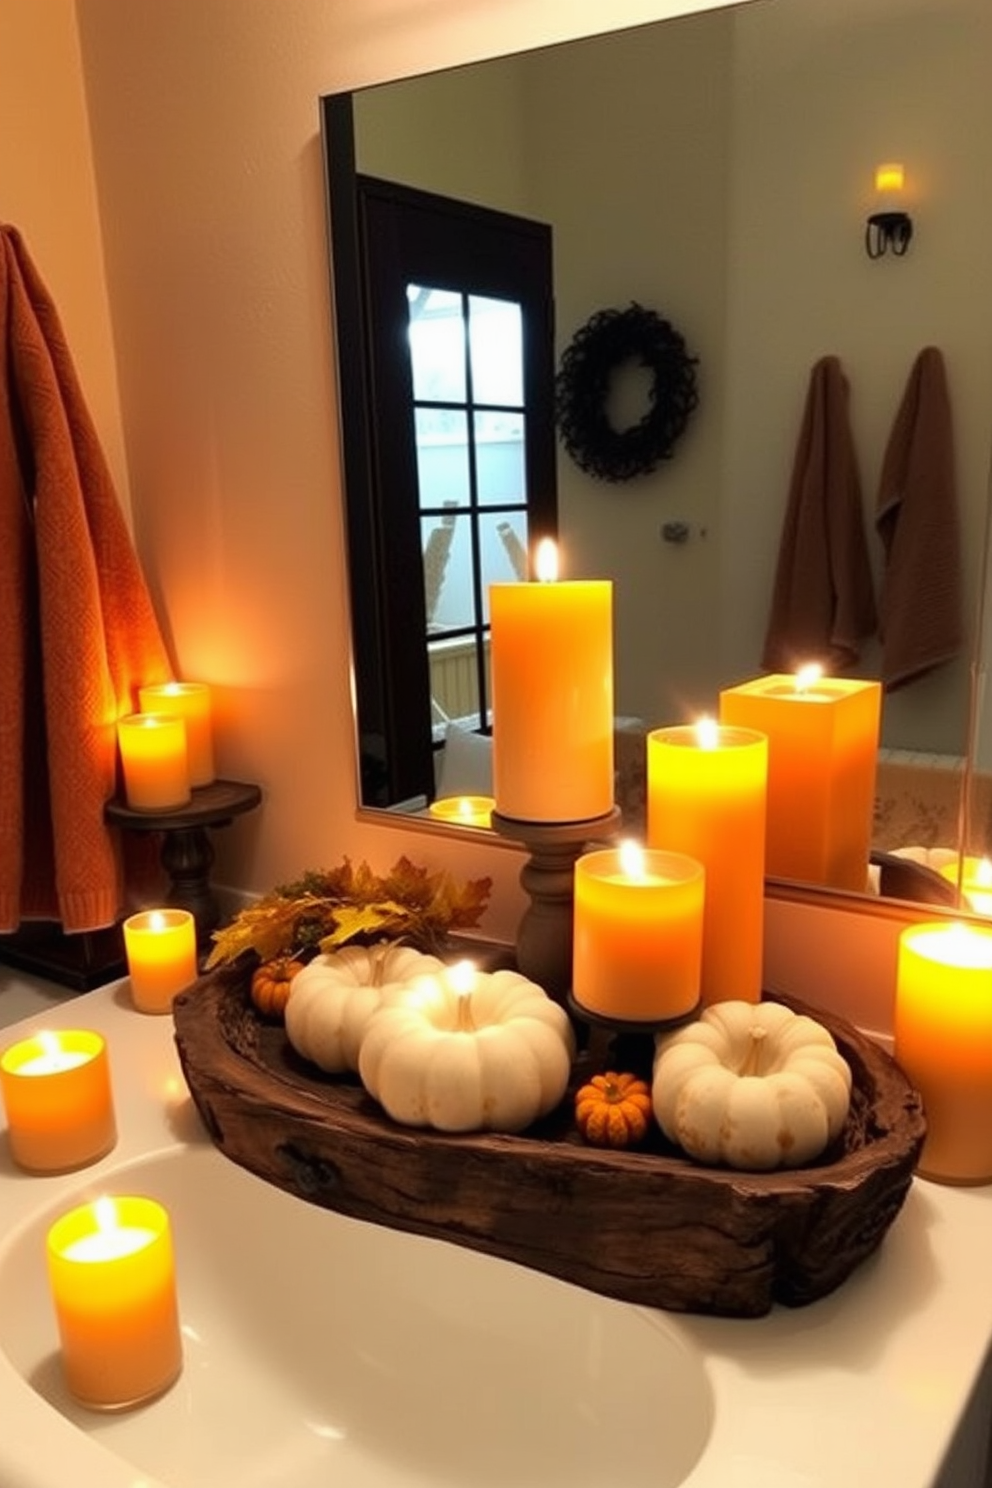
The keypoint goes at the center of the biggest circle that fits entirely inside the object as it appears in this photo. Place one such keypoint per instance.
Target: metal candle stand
(625, 1044)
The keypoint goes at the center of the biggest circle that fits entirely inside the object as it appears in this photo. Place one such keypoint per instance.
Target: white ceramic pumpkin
(468, 1052)
(753, 1086)
(332, 999)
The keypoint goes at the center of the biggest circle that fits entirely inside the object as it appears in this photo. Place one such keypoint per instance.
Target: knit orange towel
(78, 634)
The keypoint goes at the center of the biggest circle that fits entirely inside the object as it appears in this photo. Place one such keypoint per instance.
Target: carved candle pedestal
(544, 935)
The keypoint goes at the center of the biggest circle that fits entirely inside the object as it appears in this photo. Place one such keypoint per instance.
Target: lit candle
(112, 1278)
(943, 1041)
(463, 811)
(189, 701)
(552, 686)
(706, 798)
(638, 934)
(160, 945)
(153, 754)
(57, 1094)
(974, 878)
(822, 759)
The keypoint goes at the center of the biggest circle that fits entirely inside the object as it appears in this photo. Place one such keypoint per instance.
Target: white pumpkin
(494, 1057)
(754, 1086)
(332, 999)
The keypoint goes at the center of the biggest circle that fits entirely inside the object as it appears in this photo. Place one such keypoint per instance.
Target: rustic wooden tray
(647, 1226)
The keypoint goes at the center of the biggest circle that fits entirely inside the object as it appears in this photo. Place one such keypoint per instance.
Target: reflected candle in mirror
(160, 945)
(154, 760)
(463, 811)
(822, 756)
(189, 701)
(112, 1278)
(972, 877)
(57, 1096)
(943, 1041)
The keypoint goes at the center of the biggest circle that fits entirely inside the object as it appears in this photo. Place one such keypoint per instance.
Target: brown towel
(823, 604)
(917, 521)
(78, 634)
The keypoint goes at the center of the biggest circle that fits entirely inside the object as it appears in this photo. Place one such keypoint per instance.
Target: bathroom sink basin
(319, 1349)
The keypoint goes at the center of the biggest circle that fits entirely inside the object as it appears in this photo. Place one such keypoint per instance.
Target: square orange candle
(943, 1041)
(638, 934)
(154, 759)
(160, 945)
(822, 759)
(57, 1095)
(189, 701)
(112, 1278)
(706, 798)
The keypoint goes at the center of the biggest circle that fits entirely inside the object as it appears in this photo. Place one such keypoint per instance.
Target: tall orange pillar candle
(160, 945)
(943, 1041)
(154, 758)
(112, 1277)
(552, 684)
(822, 759)
(57, 1095)
(189, 701)
(638, 934)
(706, 798)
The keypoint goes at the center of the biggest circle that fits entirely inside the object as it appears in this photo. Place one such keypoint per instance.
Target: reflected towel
(917, 521)
(823, 603)
(78, 634)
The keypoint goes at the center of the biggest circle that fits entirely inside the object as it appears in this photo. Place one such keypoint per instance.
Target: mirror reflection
(719, 169)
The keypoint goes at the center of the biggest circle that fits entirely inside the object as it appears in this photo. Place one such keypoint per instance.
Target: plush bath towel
(917, 520)
(823, 603)
(78, 633)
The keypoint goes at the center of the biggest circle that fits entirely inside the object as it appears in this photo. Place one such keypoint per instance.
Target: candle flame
(707, 733)
(546, 561)
(464, 806)
(632, 859)
(461, 977)
(808, 676)
(156, 920)
(983, 874)
(50, 1043)
(105, 1213)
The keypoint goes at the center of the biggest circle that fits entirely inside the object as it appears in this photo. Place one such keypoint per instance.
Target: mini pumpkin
(468, 1052)
(613, 1110)
(271, 983)
(335, 995)
(754, 1086)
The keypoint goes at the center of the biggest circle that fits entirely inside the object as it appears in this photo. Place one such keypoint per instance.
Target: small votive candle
(189, 701)
(154, 759)
(943, 1041)
(973, 876)
(160, 945)
(57, 1095)
(463, 811)
(638, 934)
(112, 1277)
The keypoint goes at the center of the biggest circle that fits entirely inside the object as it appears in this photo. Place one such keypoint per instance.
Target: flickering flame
(808, 676)
(50, 1045)
(632, 859)
(546, 561)
(707, 733)
(461, 977)
(105, 1214)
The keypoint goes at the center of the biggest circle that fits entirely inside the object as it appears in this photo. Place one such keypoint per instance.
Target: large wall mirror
(717, 168)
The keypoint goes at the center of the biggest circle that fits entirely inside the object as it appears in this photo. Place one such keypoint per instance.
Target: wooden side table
(187, 852)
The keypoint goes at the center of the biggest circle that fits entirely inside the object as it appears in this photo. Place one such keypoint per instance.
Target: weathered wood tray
(646, 1226)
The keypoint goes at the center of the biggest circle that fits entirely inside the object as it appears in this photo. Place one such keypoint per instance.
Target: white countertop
(868, 1386)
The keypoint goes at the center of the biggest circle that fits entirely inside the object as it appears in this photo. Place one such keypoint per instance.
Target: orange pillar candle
(463, 811)
(189, 701)
(943, 1041)
(638, 934)
(57, 1095)
(153, 754)
(822, 758)
(160, 945)
(552, 688)
(706, 798)
(112, 1277)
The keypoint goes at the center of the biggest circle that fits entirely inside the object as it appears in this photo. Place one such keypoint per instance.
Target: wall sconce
(890, 229)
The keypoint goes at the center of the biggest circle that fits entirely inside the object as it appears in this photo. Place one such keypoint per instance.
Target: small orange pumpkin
(613, 1110)
(270, 985)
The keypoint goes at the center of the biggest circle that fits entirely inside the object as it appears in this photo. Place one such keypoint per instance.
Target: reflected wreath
(607, 341)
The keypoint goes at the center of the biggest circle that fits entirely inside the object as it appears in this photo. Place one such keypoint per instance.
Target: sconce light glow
(890, 229)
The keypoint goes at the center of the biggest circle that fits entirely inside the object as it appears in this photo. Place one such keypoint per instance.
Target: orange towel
(823, 603)
(917, 520)
(78, 634)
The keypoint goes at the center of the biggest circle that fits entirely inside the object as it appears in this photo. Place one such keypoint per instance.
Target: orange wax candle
(189, 701)
(463, 811)
(57, 1094)
(706, 798)
(638, 934)
(112, 1278)
(160, 945)
(153, 754)
(943, 1040)
(973, 878)
(822, 758)
(552, 687)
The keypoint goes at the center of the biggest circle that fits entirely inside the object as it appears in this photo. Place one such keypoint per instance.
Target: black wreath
(608, 340)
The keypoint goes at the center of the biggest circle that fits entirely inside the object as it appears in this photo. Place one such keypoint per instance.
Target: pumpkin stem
(751, 1063)
(464, 1022)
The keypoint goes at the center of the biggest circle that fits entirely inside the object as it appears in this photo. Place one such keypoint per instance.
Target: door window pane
(446, 542)
(496, 349)
(437, 344)
(499, 457)
(503, 540)
(442, 457)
